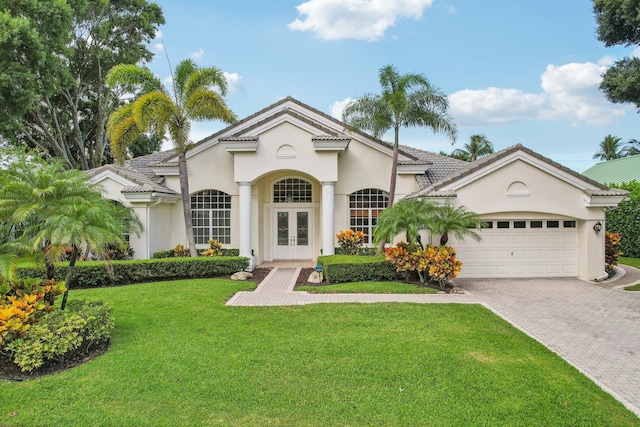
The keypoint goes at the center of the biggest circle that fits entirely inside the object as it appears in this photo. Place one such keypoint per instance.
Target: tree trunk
(67, 280)
(394, 166)
(186, 203)
(444, 239)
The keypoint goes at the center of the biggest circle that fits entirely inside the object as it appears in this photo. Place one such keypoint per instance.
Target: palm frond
(210, 77)
(133, 78)
(205, 104)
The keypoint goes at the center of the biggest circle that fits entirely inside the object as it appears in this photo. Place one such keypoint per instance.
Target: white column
(245, 221)
(328, 220)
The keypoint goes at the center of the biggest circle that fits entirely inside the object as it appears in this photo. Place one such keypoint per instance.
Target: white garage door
(519, 248)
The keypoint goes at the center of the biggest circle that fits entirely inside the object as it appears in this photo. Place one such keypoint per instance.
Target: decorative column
(245, 221)
(328, 220)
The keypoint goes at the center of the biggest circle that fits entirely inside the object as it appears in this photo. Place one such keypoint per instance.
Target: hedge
(362, 251)
(169, 253)
(355, 268)
(625, 220)
(94, 274)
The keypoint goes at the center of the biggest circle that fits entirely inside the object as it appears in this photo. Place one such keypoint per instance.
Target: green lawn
(368, 288)
(180, 357)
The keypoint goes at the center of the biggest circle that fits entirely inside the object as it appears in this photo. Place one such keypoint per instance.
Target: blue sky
(515, 71)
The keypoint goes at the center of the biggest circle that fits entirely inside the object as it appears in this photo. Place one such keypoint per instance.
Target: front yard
(180, 357)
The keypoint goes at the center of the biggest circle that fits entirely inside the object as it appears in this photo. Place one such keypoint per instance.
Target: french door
(292, 234)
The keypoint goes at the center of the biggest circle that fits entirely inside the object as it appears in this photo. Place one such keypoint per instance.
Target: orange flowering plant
(434, 263)
(350, 240)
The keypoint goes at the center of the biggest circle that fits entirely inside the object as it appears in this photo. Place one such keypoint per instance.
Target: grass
(368, 288)
(180, 357)
(634, 262)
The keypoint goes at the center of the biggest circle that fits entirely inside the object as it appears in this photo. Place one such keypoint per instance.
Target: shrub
(163, 254)
(625, 220)
(63, 335)
(434, 263)
(92, 274)
(23, 302)
(353, 268)
(350, 241)
(611, 252)
(362, 251)
(215, 249)
(180, 251)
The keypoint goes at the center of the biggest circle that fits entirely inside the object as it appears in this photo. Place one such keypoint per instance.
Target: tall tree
(69, 119)
(619, 24)
(632, 148)
(478, 146)
(407, 100)
(54, 208)
(196, 94)
(610, 148)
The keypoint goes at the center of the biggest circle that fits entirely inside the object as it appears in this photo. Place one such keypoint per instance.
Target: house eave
(417, 169)
(330, 144)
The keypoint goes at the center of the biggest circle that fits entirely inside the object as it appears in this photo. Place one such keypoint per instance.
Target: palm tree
(609, 149)
(478, 146)
(193, 97)
(458, 222)
(406, 216)
(633, 148)
(56, 209)
(407, 100)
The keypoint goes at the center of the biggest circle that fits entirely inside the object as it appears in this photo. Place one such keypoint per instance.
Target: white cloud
(235, 83)
(338, 107)
(355, 19)
(159, 47)
(569, 92)
(158, 35)
(197, 54)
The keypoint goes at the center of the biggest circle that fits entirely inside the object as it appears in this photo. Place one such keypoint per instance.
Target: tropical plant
(478, 146)
(407, 100)
(632, 148)
(459, 222)
(55, 209)
(406, 216)
(610, 148)
(159, 109)
(350, 241)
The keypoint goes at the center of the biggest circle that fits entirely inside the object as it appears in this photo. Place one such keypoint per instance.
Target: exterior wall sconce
(597, 227)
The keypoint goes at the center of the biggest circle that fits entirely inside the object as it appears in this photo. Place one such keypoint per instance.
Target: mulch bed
(10, 371)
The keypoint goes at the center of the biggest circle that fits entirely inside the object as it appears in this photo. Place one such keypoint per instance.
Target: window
(535, 224)
(211, 216)
(488, 224)
(519, 224)
(503, 224)
(292, 190)
(364, 208)
(553, 224)
(569, 224)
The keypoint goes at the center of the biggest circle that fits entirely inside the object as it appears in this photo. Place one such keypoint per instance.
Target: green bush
(169, 253)
(93, 274)
(625, 220)
(355, 268)
(63, 335)
(362, 251)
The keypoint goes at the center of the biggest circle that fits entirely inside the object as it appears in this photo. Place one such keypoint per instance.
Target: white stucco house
(282, 182)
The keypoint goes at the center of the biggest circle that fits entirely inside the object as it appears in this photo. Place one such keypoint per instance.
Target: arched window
(211, 216)
(364, 208)
(292, 190)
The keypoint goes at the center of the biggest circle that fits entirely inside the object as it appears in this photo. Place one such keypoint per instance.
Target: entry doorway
(292, 238)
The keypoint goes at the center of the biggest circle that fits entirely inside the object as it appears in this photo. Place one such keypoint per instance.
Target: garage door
(519, 248)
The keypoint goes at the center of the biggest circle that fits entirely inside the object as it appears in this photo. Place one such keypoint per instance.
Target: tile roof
(616, 171)
(144, 182)
(469, 168)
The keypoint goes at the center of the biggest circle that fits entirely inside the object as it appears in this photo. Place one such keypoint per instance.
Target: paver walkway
(595, 327)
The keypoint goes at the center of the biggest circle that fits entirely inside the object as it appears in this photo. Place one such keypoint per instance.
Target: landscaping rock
(315, 277)
(241, 275)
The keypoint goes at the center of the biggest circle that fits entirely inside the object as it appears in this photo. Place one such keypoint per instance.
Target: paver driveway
(595, 328)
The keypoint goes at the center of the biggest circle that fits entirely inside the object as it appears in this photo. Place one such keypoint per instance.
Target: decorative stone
(315, 277)
(241, 275)
(457, 290)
